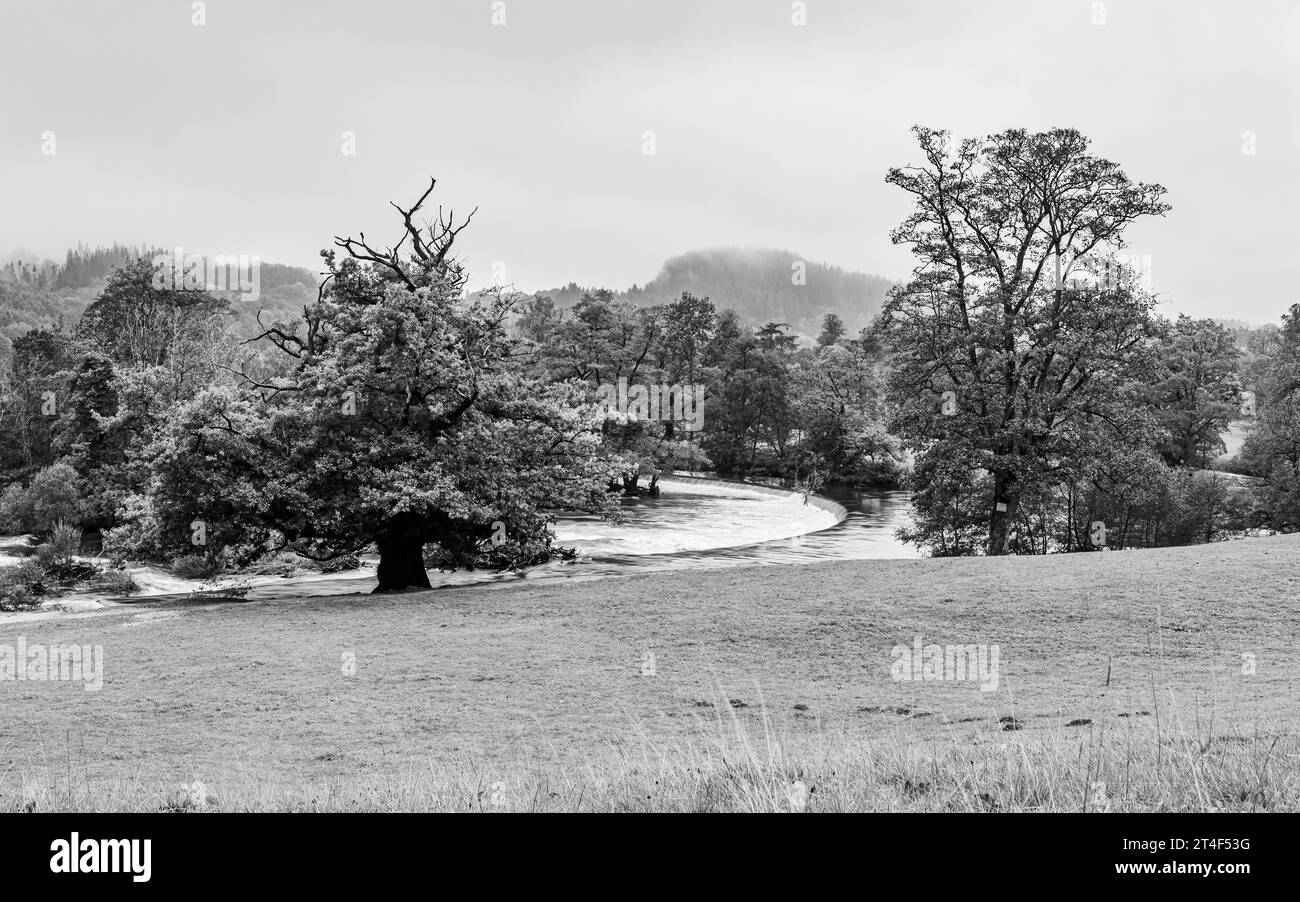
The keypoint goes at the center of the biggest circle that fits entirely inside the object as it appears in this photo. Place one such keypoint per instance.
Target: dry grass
(533, 697)
(730, 768)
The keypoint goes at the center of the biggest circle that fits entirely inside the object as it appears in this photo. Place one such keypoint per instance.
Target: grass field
(1121, 687)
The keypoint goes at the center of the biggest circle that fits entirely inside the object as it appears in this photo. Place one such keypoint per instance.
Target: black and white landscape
(674, 406)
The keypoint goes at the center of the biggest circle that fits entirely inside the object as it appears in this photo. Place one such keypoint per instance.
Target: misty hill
(759, 284)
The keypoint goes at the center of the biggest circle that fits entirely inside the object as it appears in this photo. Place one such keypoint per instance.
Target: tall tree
(41, 362)
(538, 319)
(1034, 357)
(833, 330)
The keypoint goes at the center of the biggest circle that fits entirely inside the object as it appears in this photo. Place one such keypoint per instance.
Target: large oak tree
(399, 418)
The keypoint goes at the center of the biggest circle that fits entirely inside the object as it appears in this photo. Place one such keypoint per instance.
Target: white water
(695, 517)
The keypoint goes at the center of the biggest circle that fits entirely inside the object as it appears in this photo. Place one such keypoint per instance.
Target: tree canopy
(1036, 359)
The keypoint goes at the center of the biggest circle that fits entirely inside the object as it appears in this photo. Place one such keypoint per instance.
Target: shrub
(22, 585)
(222, 590)
(116, 582)
(57, 557)
(28, 573)
(134, 541)
(64, 543)
(17, 598)
(194, 566)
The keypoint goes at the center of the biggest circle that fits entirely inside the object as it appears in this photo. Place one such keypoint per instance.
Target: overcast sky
(228, 137)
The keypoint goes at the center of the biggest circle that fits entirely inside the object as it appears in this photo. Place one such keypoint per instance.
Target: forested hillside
(760, 285)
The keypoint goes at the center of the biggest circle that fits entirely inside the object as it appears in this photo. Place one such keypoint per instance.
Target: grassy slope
(541, 687)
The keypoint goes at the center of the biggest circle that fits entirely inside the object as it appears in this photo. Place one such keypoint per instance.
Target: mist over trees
(760, 286)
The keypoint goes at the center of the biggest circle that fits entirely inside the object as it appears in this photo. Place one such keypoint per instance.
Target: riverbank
(685, 690)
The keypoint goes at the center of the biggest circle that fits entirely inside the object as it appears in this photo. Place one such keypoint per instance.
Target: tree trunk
(1006, 498)
(401, 561)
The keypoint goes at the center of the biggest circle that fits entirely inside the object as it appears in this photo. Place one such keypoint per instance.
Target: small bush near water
(58, 556)
(194, 566)
(116, 582)
(22, 585)
(53, 566)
